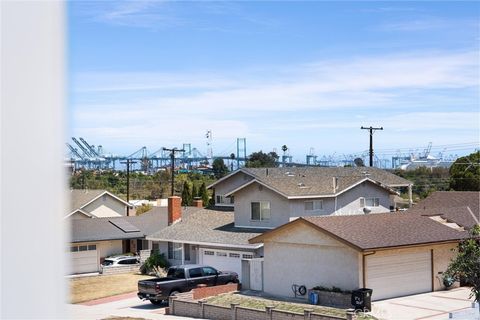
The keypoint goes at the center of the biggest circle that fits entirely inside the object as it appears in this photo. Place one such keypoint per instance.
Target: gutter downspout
(364, 272)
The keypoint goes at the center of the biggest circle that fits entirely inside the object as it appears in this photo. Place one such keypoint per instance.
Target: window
(209, 253)
(234, 255)
(82, 248)
(369, 202)
(178, 273)
(175, 251)
(195, 272)
(155, 247)
(314, 205)
(224, 200)
(142, 244)
(207, 271)
(221, 254)
(92, 247)
(128, 261)
(247, 256)
(260, 210)
(187, 251)
(74, 249)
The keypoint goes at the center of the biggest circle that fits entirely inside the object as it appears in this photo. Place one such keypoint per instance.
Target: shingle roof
(208, 227)
(451, 199)
(318, 181)
(97, 229)
(79, 198)
(384, 230)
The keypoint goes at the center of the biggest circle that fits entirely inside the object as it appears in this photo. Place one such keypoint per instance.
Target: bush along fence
(185, 305)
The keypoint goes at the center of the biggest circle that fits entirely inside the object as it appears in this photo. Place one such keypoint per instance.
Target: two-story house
(269, 197)
(265, 199)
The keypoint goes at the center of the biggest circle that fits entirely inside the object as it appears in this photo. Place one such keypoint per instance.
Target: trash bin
(362, 299)
(313, 298)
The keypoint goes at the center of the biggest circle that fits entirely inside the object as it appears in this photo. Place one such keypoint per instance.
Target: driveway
(432, 305)
(125, 305)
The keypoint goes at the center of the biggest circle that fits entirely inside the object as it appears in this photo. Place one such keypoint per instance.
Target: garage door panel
(84, 261)
(224, 260)
(398, 274)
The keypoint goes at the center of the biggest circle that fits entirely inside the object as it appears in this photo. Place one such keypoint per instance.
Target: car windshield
(176, 273)
(107, 263)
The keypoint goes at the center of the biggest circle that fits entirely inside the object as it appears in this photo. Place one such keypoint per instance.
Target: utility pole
(372, 130)
(172, 165)
(128, 163)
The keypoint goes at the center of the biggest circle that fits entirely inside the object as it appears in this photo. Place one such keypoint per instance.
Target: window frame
(264, 214)
(374, 200)
(313, 202)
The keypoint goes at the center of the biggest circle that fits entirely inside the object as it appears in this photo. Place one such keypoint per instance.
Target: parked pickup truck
(182, 279)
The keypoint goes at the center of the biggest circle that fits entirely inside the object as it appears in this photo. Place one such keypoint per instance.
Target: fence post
(269, 310)
(307, 314)
(171, 304)
(351, 314)
(233, 307)
(201, 303)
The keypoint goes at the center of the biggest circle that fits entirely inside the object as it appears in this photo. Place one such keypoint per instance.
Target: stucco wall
(231, 183)
(106, 206)
(279, 207)
(301, 255)
(349, 202)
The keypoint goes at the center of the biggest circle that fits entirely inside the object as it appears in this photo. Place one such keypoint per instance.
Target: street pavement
(126, 305)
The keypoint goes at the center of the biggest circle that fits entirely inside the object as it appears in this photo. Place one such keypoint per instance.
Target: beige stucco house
(95, 204)
(395, 254)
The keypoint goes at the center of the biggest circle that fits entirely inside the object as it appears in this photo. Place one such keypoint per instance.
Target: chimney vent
(335, 184)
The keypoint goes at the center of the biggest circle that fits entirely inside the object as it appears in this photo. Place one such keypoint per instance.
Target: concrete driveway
(432, 305)
(121, 305)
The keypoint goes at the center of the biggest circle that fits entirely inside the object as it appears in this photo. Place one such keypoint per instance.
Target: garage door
(225, 260)
(398, 275)
(84, 258)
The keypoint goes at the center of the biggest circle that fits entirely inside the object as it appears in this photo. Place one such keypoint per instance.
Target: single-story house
(198, 235)
(95, 204)
(395, 254)
(92, 240)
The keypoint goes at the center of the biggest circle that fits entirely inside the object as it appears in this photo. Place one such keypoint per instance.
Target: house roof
(451, 199)
(385, 230)
(83, 230)
(208, 227)
(318, 181)
(81, 198)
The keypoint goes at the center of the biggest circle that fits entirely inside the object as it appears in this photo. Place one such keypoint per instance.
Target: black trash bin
(362, 299)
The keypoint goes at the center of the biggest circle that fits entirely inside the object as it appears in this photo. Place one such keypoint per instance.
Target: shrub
(154, 261)
(332, 289)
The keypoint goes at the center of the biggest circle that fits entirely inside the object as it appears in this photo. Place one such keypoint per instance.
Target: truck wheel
(156, 302)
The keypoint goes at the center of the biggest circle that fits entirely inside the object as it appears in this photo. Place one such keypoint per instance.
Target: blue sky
(304, 74)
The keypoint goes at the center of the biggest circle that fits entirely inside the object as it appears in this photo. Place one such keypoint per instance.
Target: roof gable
(81, 198)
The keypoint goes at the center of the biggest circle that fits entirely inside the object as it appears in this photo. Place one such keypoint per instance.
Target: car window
(195, 272)
(128, 261)
(176, 273)
(208, 271)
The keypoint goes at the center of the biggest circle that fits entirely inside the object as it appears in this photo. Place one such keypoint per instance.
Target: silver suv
(119, 261)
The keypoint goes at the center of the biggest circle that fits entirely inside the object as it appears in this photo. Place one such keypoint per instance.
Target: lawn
(260, 303)
(89, 288)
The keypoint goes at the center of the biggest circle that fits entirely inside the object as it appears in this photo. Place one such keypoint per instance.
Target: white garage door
(225, 260)
(399, 274)
(84, 258)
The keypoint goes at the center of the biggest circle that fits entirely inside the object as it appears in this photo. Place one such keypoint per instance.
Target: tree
(262, 160)
(219, 168)
(143, 208)
(465, 173)
(186, 195)
(203, 193)
(466, 265)
(194, 191)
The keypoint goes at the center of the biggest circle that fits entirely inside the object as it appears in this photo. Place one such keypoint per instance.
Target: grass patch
(260, 304)
(89, 288)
